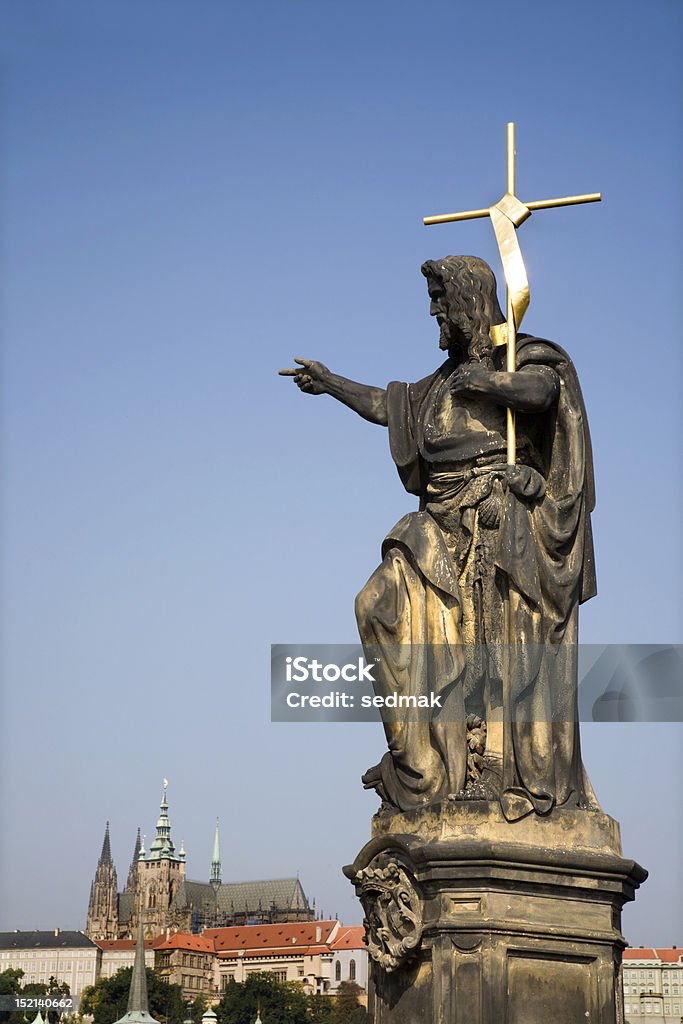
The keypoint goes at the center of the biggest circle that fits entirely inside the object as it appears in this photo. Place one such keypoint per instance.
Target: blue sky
(193, 194)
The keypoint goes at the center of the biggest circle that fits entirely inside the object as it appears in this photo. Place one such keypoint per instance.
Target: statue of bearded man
(476, 599)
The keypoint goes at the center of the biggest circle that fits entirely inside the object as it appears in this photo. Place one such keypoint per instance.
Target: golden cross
(506, 216)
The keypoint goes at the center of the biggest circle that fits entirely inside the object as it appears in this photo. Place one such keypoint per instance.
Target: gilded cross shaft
(506, 216)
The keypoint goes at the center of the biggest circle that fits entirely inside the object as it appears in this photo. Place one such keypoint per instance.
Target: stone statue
(477, 596)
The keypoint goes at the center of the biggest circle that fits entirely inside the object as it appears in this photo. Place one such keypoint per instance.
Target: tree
(280, 1003)
(347, 1008)
(198, 1007)
(107, 999)
(320, 1009)
(10, 985)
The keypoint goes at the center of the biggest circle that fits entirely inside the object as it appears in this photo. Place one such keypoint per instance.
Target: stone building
(188, 961)
(68, 956)
(350, 957)
(307, 953)
(118, 953)
(157, 888)
(652, 984)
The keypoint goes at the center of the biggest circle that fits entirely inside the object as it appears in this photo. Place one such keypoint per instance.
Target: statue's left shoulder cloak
(563, 519)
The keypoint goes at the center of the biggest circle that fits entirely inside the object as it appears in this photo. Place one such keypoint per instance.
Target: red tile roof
(181, 940)
(272, 936)
(670, 956)
(122, 944)
(272, 951)
(667, 956)
(638, 953)
(350, 937)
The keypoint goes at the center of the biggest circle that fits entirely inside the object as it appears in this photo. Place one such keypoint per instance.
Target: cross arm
(537, 204)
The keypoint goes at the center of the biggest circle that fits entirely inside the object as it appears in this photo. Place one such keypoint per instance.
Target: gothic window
(337, 971)
(352, 970)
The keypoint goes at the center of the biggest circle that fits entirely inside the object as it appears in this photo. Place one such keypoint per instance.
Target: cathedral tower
(103, 918)
(159, 874)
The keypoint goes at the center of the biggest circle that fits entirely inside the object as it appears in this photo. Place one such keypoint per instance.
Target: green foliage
(279, 1003)
(10, 985)
(198, 1007)
(10, 981)
(107, 999)
(286, 1003)
(347, 1008)
(320, 1009)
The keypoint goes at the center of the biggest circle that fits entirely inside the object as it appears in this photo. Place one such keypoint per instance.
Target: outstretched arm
(315, 379)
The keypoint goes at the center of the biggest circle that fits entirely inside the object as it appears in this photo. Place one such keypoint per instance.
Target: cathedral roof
(126, 906)
(280, 893)
(243, 897)
(200, 895)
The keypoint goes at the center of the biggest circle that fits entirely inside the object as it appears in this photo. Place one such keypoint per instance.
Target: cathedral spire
(102, 920)
(138, 1005)
(216, 860)
(162, 847)
(132, 883)
(105, 856)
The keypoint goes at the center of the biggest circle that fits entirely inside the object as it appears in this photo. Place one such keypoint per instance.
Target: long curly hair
(470, 287)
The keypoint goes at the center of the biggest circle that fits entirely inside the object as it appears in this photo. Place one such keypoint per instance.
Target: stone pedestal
(475, 920)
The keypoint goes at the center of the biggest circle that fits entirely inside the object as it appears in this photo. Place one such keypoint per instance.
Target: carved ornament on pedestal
(393, 914)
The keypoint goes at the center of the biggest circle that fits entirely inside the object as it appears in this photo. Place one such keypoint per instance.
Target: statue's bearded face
(444, 308)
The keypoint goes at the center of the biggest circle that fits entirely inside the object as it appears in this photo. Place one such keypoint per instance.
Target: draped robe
(494, 553)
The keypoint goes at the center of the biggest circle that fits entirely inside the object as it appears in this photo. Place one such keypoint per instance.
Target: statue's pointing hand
(309, 376)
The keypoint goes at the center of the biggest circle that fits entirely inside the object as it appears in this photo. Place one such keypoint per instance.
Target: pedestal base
(474, 920)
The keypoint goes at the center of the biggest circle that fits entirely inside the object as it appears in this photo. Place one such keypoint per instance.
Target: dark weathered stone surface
(515, 923)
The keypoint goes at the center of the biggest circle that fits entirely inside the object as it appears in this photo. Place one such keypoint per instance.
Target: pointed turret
(103, 914)
(105, 856)
(216, 861)
(138, 1006)
(162, 847)
(132, 883)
